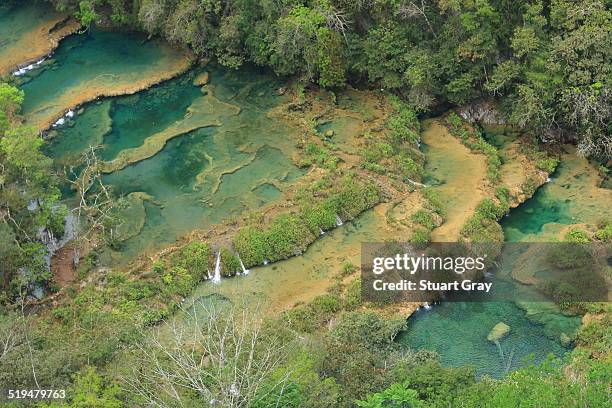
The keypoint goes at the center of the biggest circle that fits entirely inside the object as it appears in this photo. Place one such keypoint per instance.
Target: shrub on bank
(397, 153)
(420, 236)
(196, 257)
(287, 236)
(320, 217)
(250, 243)
(424, 218)
(314, 315)
(230, 264)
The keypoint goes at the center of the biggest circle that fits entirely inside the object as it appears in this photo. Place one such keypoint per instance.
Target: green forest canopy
(547, 62)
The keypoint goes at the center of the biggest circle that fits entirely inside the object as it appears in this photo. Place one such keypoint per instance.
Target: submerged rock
(498, 332)
(201, 79)
(329, 133)
(565, 339)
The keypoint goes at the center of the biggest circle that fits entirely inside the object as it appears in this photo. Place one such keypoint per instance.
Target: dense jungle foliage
(547, 61)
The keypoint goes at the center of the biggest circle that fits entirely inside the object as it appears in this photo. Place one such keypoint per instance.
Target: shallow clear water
(137, 117)
(89, 130)
(572, 196)
(16, 22)
(458, 330)
(201, 177)
(531, 216)
(98, 62)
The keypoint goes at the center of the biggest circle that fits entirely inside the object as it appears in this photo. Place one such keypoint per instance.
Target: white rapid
(338, 221)
(245, 271)
(217, 276)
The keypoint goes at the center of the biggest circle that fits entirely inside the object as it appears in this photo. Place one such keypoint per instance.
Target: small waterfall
(217, 277)
(245, 271)
(321, 231)
(427, 306)
(24, 70)
(548, 179)
(266, 262)
(338, 221)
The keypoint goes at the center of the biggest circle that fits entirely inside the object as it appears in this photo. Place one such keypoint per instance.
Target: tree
(218, 357)
(86, 14)
(23, 159)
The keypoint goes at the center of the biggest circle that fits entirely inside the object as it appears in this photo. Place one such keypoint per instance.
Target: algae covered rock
(498, 332)
(565, 339)
(201, 79)
(329, 133)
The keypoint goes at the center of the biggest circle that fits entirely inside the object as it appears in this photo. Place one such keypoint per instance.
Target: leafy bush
(321, 156)
(178, 280)
(347, 269)
(420, 236)
(352, 297)
(481, 229)
(230, 264)
(314, 315)
(321, 216)
(548, 164)
(195, 257)
(434, 202)
(577, 236)
(287, 236)
(604, 233)
(251, 244)
(424, 218)
(488, 209)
